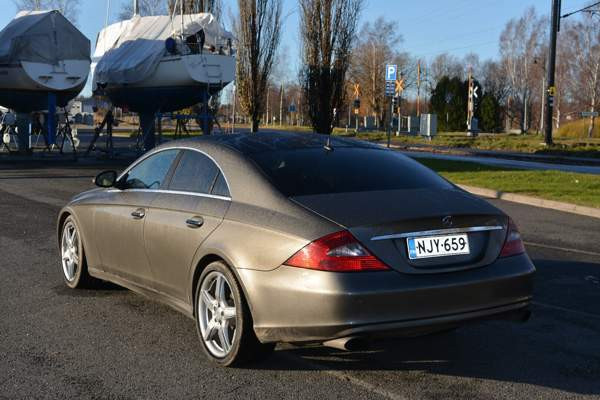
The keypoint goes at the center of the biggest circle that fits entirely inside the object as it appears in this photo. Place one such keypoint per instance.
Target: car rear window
(318, 171)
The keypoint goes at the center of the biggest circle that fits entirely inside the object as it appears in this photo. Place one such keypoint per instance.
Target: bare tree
(147, 7)
(68, 8)
(494, 80)
(377, 46)
(583, 66)
(519, 45)
(327, 30)
(258, 32)
(472, 64)
(197, 6)
(444, 65)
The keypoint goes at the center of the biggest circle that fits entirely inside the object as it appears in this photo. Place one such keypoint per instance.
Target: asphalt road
(110, 343)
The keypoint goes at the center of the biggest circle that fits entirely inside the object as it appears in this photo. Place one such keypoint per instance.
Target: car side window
(151, 172)
(220, 187)
(195, 173)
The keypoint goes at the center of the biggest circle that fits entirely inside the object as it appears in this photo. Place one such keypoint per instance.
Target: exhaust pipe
(525, 315)
(521, 315)
(351, 343)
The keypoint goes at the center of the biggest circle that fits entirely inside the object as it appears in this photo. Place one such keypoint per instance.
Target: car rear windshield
(345, 169)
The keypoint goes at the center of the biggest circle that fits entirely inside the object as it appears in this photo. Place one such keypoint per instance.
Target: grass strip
(568, 187)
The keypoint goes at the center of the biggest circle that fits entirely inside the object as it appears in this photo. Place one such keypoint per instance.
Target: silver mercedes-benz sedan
(266, 238)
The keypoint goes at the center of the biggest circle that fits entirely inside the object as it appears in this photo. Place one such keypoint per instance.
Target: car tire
(215, 322)
(73, 265)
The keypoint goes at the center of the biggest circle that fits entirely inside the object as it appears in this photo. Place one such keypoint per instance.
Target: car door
(119, 222)
(181, 218)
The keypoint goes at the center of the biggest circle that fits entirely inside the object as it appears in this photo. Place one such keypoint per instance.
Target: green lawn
(582, 189)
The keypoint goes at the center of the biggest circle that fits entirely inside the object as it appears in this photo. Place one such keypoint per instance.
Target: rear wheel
(223, 320)
(73, 263)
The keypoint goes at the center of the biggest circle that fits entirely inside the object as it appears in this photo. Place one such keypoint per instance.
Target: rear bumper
(295, 305)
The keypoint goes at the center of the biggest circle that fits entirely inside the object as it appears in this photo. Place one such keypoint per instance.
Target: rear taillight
(339, 252)
(513, 244)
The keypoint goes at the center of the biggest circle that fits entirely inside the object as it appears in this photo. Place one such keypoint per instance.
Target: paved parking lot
(112, 344)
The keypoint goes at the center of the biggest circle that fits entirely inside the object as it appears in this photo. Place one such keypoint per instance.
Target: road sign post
(391, 75)
(472, 96)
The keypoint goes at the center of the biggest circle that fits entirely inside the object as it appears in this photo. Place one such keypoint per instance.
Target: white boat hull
(25, 86)
(178, 82)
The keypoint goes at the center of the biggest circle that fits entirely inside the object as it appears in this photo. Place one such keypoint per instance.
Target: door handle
(139, 213)
(195, 222)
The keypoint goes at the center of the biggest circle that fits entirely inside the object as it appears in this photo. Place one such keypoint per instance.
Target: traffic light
(356, 103)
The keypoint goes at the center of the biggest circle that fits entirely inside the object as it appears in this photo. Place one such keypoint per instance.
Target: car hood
(86, 195)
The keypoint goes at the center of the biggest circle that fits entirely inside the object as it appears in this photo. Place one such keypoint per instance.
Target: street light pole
(554, 27)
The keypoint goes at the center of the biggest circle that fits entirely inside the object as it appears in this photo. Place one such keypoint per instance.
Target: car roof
(252, 143)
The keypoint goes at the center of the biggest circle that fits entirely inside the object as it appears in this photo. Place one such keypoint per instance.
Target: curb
(533, 201)
(528, 157)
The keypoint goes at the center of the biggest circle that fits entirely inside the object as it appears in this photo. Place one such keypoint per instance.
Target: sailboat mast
(107, 13)
(136, 8)
(181, 8)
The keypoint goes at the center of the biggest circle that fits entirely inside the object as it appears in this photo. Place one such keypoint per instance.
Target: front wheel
(223, 320)
(73, 262)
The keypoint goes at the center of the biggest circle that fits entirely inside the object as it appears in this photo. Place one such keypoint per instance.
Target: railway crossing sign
(356, 90)
(399, 86)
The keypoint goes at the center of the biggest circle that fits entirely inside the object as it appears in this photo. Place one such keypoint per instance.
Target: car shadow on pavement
(494, 350)
(99, 289)
(558, 348)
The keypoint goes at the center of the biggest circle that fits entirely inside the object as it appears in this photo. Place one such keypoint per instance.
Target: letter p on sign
(391, 72)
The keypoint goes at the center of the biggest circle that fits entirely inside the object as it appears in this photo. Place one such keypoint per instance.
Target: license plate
(437, 246)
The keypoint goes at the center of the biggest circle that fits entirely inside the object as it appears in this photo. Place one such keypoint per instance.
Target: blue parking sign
(391, 72)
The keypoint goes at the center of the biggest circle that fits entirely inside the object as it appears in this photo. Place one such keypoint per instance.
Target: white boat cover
(129, 51)
(42, 37)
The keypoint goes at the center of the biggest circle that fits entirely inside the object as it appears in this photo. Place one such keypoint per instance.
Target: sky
(427, 27)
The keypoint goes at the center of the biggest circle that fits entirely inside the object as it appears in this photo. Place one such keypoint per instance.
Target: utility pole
(268, 105)
(349, 113)
(543, 98)
(418, 91)
(281, 106)
(299, 112)
(554, 28)
(234, 100)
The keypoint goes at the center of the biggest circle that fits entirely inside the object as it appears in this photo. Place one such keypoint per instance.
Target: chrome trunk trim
(449, 231)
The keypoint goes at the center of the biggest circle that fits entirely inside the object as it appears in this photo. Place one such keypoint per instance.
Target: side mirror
(106, 179)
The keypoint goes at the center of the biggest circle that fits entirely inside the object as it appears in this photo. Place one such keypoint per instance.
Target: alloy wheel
(71, 259)
(217, 311)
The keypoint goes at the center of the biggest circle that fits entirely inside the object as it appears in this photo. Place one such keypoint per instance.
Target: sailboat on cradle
(41, 53)
(162, 63)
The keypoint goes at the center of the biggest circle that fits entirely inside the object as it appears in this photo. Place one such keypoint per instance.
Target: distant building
(75, 107)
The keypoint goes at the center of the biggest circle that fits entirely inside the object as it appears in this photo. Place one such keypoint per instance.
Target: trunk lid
(383, 221)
